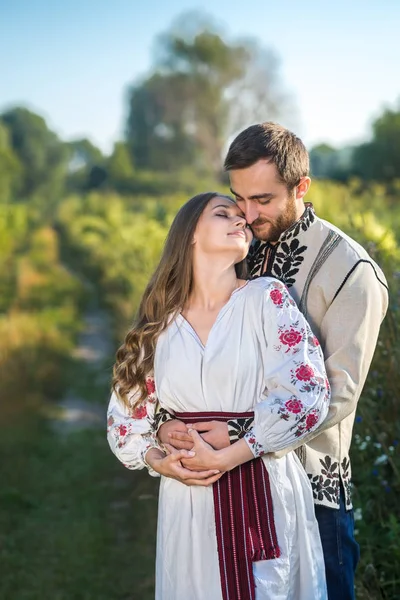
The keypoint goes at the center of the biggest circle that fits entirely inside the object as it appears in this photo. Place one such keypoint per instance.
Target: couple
(239, 357)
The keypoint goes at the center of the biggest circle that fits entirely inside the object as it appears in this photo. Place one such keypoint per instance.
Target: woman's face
(222, 229)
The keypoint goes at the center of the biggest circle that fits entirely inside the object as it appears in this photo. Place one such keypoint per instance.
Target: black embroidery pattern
(237, 428)
(255, 258)
(161, 417)
(345, 472)
(325, 486)
(302, 224)
(287, 254)
(288, 259)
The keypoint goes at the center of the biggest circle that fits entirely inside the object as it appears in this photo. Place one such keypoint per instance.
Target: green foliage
(84, 160)
(119, 247)
(379, 159)
(327, 162)
(376, 160)
(39, 303)
(13, 231)
(10, 167)
(120, 171)
(43, 158)
(34, 351)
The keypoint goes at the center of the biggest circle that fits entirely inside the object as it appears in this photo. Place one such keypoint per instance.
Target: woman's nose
(241, 222)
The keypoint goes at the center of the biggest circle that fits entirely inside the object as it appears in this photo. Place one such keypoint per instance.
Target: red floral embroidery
(139, 412)
(276, 297)
(304, 373)
(294, 406)
(122, 430)
(110, 420)
(151, 386)
(257, 449)
(315, 340)
(290, 337)
(311, 420)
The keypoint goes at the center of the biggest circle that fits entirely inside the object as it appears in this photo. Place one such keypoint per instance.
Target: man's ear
(303, 187)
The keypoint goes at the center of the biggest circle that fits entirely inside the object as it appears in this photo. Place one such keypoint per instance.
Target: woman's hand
(202, 456)
(170, 466)
(224, 460)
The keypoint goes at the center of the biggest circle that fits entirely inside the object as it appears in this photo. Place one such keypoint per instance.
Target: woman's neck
(213, 284)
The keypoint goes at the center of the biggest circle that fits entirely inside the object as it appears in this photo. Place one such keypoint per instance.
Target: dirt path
(94, 348)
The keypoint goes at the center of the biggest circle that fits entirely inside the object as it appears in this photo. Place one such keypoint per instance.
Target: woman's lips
(238, 233)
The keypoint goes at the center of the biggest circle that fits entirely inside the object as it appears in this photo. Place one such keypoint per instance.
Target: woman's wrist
(224, 460)
(233, 456)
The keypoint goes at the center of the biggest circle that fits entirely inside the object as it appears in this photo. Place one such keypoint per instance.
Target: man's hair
(274, 143)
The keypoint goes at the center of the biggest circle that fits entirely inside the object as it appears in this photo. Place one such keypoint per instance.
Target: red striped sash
(244, 519)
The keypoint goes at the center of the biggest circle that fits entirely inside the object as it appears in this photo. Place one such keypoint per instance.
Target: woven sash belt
(244, 519)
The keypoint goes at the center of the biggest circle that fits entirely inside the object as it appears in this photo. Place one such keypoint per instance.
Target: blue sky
(73, 61)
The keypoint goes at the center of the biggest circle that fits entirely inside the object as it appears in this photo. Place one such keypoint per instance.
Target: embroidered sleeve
(130, 432)
(162, 416)
(297, 393)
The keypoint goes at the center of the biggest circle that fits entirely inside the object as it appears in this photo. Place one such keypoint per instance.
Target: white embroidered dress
(260, 355)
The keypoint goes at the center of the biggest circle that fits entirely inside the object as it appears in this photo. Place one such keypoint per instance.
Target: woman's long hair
(165, 296)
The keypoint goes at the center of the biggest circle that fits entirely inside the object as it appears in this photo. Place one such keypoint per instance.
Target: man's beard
(275, 228)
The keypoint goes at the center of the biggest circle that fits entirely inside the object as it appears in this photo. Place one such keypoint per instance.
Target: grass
(74, 523)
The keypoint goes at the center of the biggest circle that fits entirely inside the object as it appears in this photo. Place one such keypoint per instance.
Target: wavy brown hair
(165, 296)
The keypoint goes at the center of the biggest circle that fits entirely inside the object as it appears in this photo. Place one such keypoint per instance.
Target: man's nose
(251, 212)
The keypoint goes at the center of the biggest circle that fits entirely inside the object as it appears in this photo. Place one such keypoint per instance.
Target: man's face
(267, 204)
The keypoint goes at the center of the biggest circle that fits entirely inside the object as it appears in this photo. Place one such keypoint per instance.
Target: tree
(157, 133)
(85, 163)
(329, 163)
(43, 157)
(119, 168)
(201, 89)
(10, 167)
(379, 159)
(83, 154)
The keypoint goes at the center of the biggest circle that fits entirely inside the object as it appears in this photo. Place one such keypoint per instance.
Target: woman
(222, 346)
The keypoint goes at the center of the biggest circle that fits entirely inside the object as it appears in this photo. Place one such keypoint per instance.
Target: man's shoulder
(347, 253)
(347, 257)
(348, 247)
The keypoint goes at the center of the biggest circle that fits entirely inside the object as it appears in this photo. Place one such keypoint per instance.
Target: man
(343, 294)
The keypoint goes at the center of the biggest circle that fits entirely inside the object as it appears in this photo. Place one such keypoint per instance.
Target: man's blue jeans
(341, 551)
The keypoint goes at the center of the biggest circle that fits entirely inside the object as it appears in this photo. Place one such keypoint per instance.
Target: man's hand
(214, 433)
(174, 432)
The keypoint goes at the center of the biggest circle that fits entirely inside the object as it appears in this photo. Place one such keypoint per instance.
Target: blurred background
(111, 116)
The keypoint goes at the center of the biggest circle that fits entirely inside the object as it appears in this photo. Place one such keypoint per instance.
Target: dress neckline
(220, 314)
